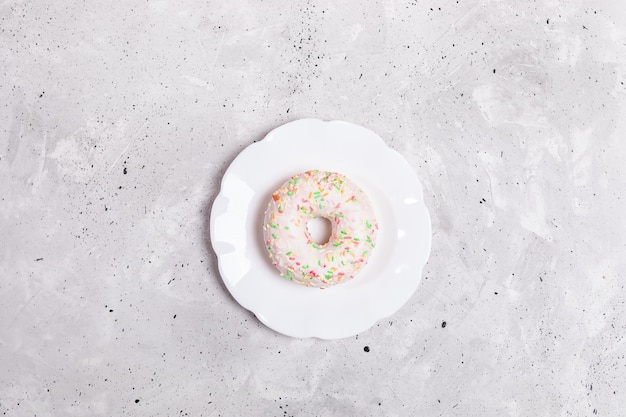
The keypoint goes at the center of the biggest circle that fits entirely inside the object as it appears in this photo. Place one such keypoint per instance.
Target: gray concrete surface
(118, 119)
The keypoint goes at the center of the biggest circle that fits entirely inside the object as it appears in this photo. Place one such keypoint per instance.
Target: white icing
(291, 248)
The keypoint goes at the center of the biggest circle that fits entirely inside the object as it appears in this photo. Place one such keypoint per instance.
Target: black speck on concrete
(136, 401)
(443, 324)
(366, 348)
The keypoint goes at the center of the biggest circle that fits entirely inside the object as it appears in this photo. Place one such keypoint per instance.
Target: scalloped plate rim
(221, 199)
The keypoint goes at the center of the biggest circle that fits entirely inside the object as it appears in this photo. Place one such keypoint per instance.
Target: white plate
(394, 269)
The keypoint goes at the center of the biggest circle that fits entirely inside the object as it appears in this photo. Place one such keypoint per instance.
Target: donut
(287, 239)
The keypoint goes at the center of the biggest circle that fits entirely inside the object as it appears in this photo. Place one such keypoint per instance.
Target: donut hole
(319, 229)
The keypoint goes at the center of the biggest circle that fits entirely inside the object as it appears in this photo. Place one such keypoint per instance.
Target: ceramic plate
(395, 266)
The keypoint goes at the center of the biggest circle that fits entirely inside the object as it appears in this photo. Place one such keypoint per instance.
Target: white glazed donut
(287, 239)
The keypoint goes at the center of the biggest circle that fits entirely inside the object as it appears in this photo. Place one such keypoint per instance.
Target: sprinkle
(289, 253)
(275, 197)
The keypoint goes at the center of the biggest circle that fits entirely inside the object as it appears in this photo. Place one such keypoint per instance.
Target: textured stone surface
(119, 118)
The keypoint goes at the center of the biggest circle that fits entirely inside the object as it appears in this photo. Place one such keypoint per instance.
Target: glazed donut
(290, 246)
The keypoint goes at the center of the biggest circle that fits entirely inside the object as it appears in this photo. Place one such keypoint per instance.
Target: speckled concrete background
(118, 119)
